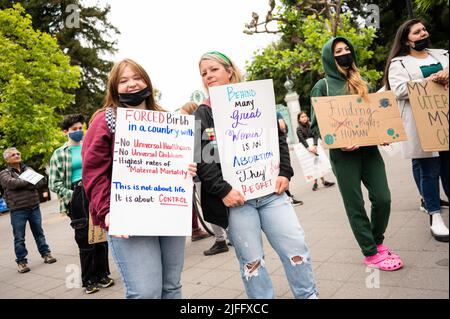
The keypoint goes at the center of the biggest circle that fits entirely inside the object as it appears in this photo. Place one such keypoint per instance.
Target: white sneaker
(438, 228)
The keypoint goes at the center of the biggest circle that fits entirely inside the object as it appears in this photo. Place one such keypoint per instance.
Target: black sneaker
(217, 248)
(23, 268)
(328, 184)
(105, 282)
(91, 288)
(296, 202)
(422, 206)
(315, 187)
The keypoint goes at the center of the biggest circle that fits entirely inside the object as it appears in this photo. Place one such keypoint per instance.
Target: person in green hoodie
(353, 164)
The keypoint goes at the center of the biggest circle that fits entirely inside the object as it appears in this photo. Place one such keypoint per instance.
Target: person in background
(197, 233)
(22, 198)
(304, 132)
(283, 128)
(354, 165)
(65, 174)
(220, 244)
(411, 59)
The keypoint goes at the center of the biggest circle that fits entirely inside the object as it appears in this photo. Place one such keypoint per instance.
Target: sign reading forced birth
(247, 136)
(351, 120)
(429, 102)
(151, 189)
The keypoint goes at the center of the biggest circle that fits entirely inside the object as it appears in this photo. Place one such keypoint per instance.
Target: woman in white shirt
(410, 59)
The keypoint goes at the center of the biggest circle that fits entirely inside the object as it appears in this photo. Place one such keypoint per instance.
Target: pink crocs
(383, 262)
(383, 249)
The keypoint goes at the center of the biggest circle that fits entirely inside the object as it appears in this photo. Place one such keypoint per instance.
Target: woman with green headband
(225, 206)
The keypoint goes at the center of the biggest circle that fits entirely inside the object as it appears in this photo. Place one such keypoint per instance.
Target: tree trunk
(336, 17)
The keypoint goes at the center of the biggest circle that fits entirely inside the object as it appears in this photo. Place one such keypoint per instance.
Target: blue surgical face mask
(76, 136)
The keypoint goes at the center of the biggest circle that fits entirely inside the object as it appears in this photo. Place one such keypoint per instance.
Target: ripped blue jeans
(274, 215)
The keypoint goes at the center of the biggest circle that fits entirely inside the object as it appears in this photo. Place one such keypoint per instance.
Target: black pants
(93, 258)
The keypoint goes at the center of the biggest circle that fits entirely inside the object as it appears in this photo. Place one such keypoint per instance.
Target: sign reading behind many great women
(151, 189)
(247, 136)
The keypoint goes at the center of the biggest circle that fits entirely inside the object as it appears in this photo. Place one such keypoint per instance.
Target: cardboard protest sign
(351, 120)
(429, 102)
(96, 234)
(313, 166)
(151, 189)
(247, 136)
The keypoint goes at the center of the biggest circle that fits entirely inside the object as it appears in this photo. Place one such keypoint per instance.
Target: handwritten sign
(351, 120)
(313, 166)
(96, 234)
(31, 176)
(247, 136)
(151, 189)
(429, 102)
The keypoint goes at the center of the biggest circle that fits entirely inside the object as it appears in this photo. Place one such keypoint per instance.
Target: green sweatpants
(351, 168)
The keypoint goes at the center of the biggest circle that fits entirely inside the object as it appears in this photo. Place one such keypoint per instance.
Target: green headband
(221, 55)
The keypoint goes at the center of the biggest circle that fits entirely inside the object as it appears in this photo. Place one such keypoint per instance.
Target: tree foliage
(393, 14)
(35, 77)
(424, 5)
(85, 34)
(305, 25)
(298, 53)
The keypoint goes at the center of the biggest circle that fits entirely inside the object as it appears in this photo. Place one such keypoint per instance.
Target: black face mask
(345, 60)
(136, 98)
(421, 45)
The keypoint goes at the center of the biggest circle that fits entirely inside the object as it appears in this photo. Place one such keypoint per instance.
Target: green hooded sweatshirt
(334, 82)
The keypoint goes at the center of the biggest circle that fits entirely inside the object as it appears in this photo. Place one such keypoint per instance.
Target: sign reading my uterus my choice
(429, 102)
(151, 189)
(247, 136)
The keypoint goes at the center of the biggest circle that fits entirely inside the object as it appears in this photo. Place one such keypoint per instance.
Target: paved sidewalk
(337, 261)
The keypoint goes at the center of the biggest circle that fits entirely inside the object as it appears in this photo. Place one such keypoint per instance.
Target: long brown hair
(112, 95)
(355, 84)
(189, 107)
(400, 46)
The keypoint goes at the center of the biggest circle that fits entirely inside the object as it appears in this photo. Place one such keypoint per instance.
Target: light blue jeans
(274, 215)
(150, 266)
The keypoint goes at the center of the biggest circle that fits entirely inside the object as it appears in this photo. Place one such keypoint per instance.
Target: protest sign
(96, 234)
(151, 189)
(31, 176)
(247, 136)
(313, 166)
(352, 120)
(429, 102)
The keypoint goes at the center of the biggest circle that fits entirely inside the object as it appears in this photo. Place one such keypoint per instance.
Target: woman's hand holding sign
(312, 149)
(234, 199)
(281, 185)
(107, 226)
(350, 148)
(192, 169)
(440, 77)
